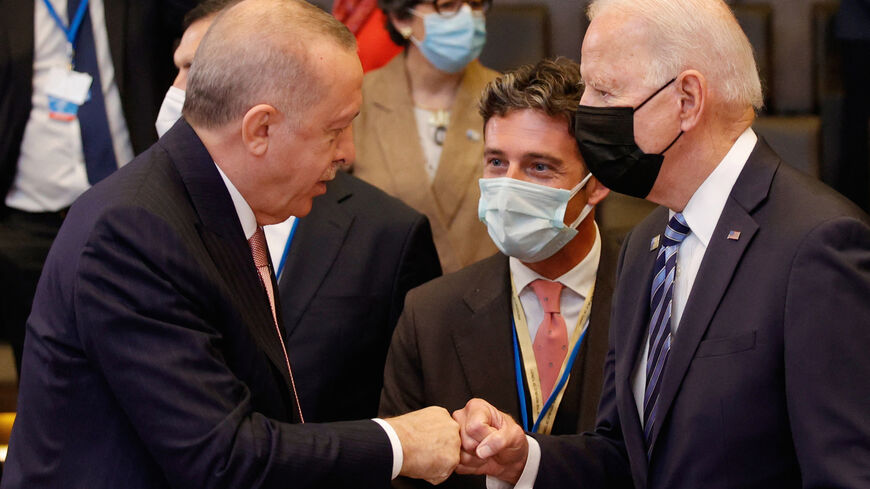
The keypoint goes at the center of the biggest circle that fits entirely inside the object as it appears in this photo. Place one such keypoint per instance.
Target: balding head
(261, 52)
(692, 34)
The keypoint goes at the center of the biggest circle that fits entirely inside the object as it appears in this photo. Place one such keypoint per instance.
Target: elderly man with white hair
(741, 315)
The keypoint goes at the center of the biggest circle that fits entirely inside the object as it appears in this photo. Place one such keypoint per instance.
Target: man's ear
(692, 87)
(257, 127)
(596, 191)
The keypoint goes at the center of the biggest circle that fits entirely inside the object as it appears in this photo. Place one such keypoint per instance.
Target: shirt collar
(704, 208)
(243, 210)
(579, 279)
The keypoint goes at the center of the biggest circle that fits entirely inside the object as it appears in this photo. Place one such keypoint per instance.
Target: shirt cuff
(530, 471)
(396, 444)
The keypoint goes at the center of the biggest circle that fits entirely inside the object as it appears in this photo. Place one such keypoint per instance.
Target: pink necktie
(551, 340)
(261, 261)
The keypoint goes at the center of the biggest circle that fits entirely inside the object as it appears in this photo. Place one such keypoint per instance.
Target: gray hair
(695, 34)
(257, 52)
(552, 86)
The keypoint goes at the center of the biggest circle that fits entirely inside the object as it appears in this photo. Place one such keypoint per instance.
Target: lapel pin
(735, 235)
(472, 135)
(654, 243)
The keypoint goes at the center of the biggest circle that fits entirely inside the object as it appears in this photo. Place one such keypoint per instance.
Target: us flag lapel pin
(735, 235)
(654, 243)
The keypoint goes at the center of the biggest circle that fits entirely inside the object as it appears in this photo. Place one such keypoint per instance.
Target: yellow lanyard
(544, 424)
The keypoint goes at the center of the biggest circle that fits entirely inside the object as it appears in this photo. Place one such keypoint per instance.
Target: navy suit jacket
(151, 357)
(350, 264)
(766, 383)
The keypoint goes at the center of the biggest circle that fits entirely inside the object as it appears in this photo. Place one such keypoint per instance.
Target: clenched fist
(430, 443)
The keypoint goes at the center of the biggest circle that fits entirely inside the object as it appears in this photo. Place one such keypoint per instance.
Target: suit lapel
(116, 22)
(396, 131)
(224, 239)
(714, 276)
(631, 318)
(462, 157)
(483, 339)
(324, 229)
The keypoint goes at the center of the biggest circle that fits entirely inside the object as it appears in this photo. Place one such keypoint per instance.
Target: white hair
(694, 34)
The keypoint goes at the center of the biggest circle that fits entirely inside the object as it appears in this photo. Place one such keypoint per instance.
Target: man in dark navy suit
(153, 356)
(739, 333)
(343, 271)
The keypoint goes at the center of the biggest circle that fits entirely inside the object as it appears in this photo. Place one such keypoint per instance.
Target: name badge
(67, 90)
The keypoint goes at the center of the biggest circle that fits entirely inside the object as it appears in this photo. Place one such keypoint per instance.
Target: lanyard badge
(67, 89)
(543, 410)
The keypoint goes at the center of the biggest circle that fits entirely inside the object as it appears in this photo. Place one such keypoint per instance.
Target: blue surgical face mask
(452, 42)
(526, 220)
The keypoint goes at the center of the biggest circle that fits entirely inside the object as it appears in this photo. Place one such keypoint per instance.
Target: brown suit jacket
(389, 156)
(454, 341)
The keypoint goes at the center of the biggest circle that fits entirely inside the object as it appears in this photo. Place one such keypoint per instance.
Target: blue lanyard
(518, 369)
(73, 31)
(287, 247)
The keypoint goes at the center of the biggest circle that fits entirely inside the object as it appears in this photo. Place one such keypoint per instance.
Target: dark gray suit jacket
(151, 358)
(766, 384)
(455, 341)
(350, 264)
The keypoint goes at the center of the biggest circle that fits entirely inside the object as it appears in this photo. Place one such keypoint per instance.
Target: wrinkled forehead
(616, 51)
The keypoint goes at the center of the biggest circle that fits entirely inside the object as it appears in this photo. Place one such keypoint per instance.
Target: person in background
(520, 328)
(739, 333)
(81, 84)
(154, 356)
(343, 272)
(418, 135)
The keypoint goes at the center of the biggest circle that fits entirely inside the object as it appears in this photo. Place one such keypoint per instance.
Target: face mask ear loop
(672, 143)
(580, 185)
(654, 94)
(587, 209)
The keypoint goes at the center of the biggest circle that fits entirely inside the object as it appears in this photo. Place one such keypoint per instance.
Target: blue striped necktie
(661, 295)
(97, 146)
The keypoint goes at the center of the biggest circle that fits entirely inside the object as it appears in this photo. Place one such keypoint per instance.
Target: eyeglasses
(449, 8)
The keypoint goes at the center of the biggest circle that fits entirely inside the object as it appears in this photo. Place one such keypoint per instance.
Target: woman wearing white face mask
(419, 136)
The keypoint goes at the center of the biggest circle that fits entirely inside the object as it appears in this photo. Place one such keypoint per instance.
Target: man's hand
(430, 443)
(492, 442)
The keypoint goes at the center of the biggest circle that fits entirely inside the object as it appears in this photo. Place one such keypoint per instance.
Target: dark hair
(552, 85)
(402, 10)
(205, 9)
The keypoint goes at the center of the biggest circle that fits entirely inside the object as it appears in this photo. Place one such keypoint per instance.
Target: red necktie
(261, 261)
(551, 340)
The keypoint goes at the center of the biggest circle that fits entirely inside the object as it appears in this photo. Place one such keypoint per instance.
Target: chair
(516, 35)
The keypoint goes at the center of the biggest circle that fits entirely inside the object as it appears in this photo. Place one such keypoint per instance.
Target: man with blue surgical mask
(526, 328)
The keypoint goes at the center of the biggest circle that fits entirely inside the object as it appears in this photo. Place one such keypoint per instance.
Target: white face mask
(170, 110)
(527, 220)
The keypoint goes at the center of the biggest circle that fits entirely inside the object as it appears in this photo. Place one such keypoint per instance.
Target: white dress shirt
(702, 213)
(276, 238)
(576, 282)
(51, 167)
(249, 227)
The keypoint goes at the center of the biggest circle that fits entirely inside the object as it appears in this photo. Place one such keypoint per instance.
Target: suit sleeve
(418, 264)
(145, 326)
(827, 365)
(403, 378)
(597, 458)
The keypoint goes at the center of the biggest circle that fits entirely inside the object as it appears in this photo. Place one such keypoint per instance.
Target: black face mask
(605, 136)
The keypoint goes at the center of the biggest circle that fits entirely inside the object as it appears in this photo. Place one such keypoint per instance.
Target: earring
(405, 32)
